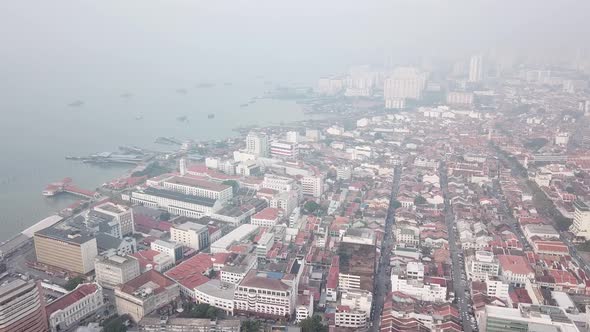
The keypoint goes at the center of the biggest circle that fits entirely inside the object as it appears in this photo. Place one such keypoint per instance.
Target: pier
(66, 186)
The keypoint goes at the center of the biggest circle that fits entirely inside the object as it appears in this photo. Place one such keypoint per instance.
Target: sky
(48, 40)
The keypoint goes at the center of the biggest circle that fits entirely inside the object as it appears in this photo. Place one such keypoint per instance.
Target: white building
(268, 293)
(217, 295)
(279, 183)
(292, 137)
(200, 188)
(284, 150)
(171, 249)
(113, 270)
(233, 272)
(562, 138)
(235, 236)
(405, 83)
(176, 203)
(412, 282)
(312, 186)
(190, 234)
(304, 307)
(264, 244)
(119, 214)
(495, 287)
(268, 217)
(476, 68)
(525, 318)
(459, 98)
(581, 225)
(344, 173)
(483, 265)
(257, 144)
(67, 311)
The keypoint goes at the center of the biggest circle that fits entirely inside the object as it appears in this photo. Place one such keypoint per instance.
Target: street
(382, 278)
(459, 281)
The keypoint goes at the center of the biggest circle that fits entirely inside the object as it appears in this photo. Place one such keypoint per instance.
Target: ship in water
(211, 116)
(76, 103)
(182, 118)
(244, 105)
(204, 85)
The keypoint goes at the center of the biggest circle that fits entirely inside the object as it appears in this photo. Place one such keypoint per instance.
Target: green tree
(251, 326)
(116, 324)
(311, 207)
(419, 200)
(212, 313)
(234, 185)
(165, 216)
(396, 204)
(73, 283)
(313, 324)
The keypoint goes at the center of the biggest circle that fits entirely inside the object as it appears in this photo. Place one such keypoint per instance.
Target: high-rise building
(22, 308)
(581, 225)
(476, 68)
(67, 249)
(257, 143)
(114, 219)
(190, 234)
(312, 186)
(404, 83)
(283, 149)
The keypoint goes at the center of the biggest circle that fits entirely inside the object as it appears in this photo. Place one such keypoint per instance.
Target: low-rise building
(216, 294)
(171, 249)
(240, 233)
(67, 311)
(112, 270)
(164, 324)
(145, 294)
(268, 217)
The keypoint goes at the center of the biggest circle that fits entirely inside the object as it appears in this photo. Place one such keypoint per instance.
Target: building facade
(22, 307)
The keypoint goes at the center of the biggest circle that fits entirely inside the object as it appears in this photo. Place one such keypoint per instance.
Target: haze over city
(294, 166)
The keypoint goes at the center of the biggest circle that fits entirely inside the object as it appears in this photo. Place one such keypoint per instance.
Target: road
(382, 278)
(460, 285)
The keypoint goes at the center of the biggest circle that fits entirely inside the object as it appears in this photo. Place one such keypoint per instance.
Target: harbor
(66, 186)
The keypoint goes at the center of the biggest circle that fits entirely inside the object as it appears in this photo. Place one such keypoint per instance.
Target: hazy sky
(52, 36)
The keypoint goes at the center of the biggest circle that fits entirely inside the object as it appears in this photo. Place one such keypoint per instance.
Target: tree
(311, 207)
(396, 204)
(378, 136)
(212, 313)
(116, 324)
(419, 200)
(313, 324)
(73, 283)
(251, 326)
(234, 185)
(165, 216)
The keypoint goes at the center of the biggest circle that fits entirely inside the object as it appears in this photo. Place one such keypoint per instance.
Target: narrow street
(382, 278)
(459, 281)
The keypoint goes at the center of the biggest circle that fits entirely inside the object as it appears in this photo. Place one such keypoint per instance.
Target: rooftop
(72, 297)
(151, 281)
(180, 196)
(198, 183)
(67, 235)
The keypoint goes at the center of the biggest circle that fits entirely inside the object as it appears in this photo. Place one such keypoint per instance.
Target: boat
(182, 118)
(205, 85)
(181, 91)
(210, 116)
(244, 105)
(126, 95)
(228, 83)
(139, 117)
(76, 103)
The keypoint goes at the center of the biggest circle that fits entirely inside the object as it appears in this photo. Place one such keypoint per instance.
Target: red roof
(515, 264)
(190, 272)
(70, 298)
(267, 214)
(146, 257)
(152, 277)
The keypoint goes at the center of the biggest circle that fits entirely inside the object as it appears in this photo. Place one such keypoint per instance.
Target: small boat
(181, 91)
(244, 105)
(228, 83)
(205, 85)
(139, 117)
(210, 116)
(182, 118)
(76, 103)
(126, 95)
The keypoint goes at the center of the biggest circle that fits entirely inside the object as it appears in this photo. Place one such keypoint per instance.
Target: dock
(66, 186)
